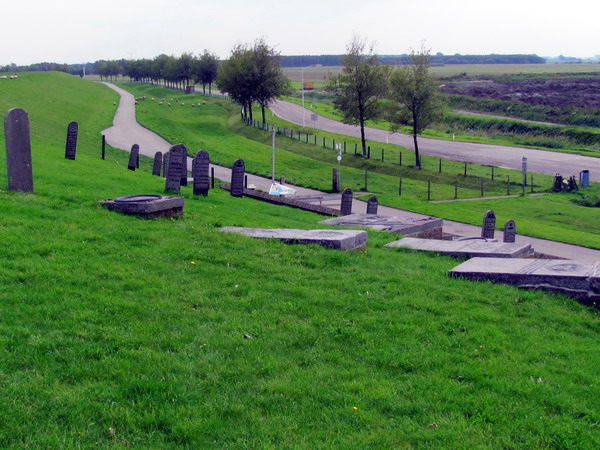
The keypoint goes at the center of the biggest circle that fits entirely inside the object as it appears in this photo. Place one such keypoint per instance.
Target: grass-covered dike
(115, 331)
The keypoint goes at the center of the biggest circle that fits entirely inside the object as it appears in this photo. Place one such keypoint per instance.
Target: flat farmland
(319, 74)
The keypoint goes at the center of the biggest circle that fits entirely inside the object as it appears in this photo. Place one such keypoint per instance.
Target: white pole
(302, 87)
(273, 159)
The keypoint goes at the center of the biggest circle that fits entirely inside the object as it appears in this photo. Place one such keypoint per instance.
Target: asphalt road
(539, 161)
(126, 131)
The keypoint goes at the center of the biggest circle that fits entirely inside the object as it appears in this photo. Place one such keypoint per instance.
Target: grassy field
(217, 128)
(121, 332)
(319, 74)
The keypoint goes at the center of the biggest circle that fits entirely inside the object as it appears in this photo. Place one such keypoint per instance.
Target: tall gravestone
(237, 178)
(372, 205)
(174, 168)
(335, 180)
(157, 165)
(184, 167)
(489, 225)
(200, 166)
(71, 146)
(134, 155)
(18, 151)
(510, 231)
(166, 158)
(346, 206)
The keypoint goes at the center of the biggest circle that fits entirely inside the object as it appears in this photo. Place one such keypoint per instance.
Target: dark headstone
(157, 164)
(346, 207)
(335, 180)
(71, 146)
(175, 168)
(372, 205)
(18, 151)
(200, 166)
(184, 167)
(133, 157)
(165, 163)
(237, 178)
(510, 231)
(489, 225)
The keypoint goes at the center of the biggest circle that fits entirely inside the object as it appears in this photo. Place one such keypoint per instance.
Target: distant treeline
(304, 61)
(438, 58)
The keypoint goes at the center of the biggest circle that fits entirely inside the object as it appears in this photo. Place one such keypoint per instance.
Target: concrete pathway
(126, 131)
(539, 161)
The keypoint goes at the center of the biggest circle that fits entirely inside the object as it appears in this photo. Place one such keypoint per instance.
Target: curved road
(539, 161)
(126, 131)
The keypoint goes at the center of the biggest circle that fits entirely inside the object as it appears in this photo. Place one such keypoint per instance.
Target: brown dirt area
(577, 92)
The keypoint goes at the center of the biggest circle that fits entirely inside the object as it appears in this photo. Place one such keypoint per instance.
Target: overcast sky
(69, 31)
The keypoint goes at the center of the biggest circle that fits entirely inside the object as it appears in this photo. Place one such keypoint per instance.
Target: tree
(415, 97)
(252, 74)
(268, 81)
(357, 91)
(234, 77)
(205, 70)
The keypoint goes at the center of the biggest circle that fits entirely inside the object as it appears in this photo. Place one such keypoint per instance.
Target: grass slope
(115, 331)
(215, 126)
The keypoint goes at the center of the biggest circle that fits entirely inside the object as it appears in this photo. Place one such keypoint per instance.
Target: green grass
(175, 335)
(217, 128)
(317, 73)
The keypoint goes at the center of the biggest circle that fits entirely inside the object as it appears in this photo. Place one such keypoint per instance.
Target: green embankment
(215, 126)
(116, 331)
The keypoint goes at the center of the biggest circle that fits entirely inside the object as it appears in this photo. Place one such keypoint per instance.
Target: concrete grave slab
(336, 239)
(575, 278)
(146, 206)
(429, 227)
(465, 249)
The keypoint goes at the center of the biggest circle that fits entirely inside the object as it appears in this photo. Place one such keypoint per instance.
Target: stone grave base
(336, 239)
(428, 228)
(467, 248)
(146, 206)
(577, 279)
(286, 201)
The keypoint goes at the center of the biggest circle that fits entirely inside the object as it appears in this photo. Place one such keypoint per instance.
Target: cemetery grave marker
(346, 206)
(237, 178)
(174, 168)
(510, 231)
(156, 166)
(372, 205)
(18, 151)
(489, 225)
(71, 145)
(200, 166)
(134, 155)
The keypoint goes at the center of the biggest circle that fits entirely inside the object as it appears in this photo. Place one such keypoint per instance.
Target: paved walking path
(126, 131)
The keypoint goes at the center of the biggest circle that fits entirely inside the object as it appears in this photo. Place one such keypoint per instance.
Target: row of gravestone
(175, 169)
(18, 149)
(489, 227)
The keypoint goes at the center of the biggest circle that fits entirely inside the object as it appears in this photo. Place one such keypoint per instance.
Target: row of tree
(176, 72)
(366, 89)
